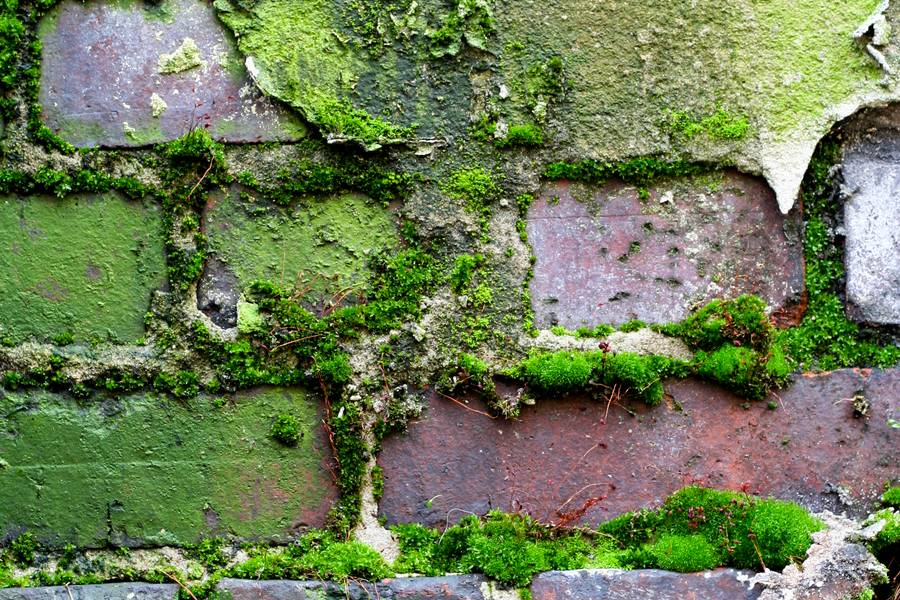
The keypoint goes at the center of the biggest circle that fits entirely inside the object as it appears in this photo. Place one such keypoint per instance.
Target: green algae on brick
(84, 264)
(295, 54)
(324, 244)
(148, 470)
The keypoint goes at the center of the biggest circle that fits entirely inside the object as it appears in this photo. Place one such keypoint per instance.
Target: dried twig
(212, 161)
(181, 585)
(452, 399)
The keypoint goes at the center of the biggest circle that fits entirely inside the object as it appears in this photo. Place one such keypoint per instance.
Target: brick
(606, 256)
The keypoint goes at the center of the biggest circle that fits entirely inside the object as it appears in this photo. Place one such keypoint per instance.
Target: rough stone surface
(837, 567)
(650, 584)
(144, 470)
(871, 169)
(561, 458)
(605, 256)
(101, 71)
(109, 591)
(459, 587)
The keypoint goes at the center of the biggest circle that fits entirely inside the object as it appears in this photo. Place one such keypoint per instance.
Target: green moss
(475, 186)
(640, 171)
(558, 372)
(341, 120)
(891, 497)
(684, 553)
(889, 536)
(210, 553)
(721, 125)
(464, 271)
(741, 529)
(23, 548)
(286, 429)
(306, 178)
(565, 371)
(521, 135)
(507, 548)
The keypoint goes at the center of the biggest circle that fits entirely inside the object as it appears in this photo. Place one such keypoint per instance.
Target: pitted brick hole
(606, 256)
(560, 456)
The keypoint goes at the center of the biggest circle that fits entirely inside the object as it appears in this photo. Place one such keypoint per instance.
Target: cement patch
(144, 470)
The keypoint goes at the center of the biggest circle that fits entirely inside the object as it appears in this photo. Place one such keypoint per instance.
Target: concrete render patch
(561, 455)
(146, 470)
(606, 256)
(871, 171)
(107, 591)
(118, 96)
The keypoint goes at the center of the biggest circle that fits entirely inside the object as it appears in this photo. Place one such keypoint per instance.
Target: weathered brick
(146, 470)
(560, 458)
(649, 584)
(115, 48)
(606, 256)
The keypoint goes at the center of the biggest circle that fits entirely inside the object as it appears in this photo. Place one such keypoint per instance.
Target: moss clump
(508, 548)
(339, 119)
(684, 553)
(521, 135)
(478, 191)
(306, 178)
(23, 549)
(564, 371)
(721, 125)
(736, 346)
(475, 186)
(889, 536)
(641, 171)
(891, 497)
(696, 529)
(464, 270)
(286, 429)
(184, 58)
(744, 531)
(210, 552)
(316, 555)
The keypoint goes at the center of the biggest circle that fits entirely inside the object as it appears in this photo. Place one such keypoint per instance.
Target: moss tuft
(286, 429)
(684, 553)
